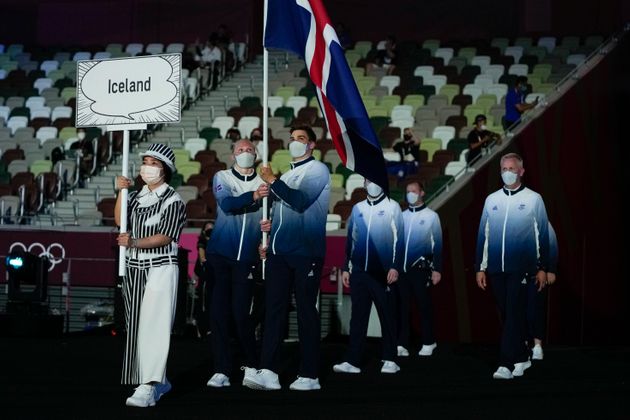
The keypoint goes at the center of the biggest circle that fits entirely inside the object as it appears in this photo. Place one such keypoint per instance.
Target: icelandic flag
(303, 27)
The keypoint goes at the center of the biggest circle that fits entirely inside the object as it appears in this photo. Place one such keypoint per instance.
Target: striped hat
(163, 153)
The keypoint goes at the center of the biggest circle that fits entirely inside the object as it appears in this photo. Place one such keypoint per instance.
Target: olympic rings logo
(55, 252)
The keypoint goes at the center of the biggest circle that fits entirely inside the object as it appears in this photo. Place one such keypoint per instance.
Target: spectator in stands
(343, 36)
(232, 253)
(233, 134)
(515, 104)
(210, 57)
(409, 147)
(223, 38)
(294, 260)
(512, 246)
(205, 280)
(421, 268)
(386, 58)
(84, 148)
(374, 249)
(479, 137)
(537, 299)
(256, 137)
(156, 217)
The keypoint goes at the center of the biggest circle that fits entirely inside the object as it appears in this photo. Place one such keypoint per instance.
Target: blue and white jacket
(299, 210)
(423, 237)
(513, 233)
(375, 236)
(236, 233)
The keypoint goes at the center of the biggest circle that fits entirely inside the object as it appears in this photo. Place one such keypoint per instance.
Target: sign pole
(123, 202)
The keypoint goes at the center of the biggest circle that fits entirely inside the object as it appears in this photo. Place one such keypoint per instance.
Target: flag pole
(265, 125)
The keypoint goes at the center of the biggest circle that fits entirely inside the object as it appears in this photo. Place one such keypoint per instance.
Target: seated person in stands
(85, 150)
(209, 56)
(386, 58)
(479, 137)
(409, 147)
(233, 134)
(256, 137)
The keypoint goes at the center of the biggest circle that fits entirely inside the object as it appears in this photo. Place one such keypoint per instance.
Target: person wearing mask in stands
(83, 146)
(479, 137)
(421, 268)
(156, 216)
(374, 249)
(233, 134)
(512, 249)
(409, 147)
(515, 104)
(256, 137)
(295, 257)
(232, 253)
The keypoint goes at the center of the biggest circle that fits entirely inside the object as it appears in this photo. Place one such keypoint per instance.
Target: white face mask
(150, 174)
(484, 127)
(412, 197)
(374, 190)
(81, 135)
(297, 149)
(245, 160)
(509, 177)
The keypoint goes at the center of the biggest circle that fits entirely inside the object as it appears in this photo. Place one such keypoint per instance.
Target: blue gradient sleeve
(480, 264)
(553, 251)
(399, 246)
(436, 231)
(309, 191)
(349, 228)
(543, 234)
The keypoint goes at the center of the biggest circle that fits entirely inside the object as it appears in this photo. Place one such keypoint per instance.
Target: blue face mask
(523, 89)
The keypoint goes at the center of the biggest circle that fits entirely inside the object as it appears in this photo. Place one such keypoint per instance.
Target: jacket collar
(512, 192)
(243, 177)
(376, 200)
(417, 208)
(301, 162)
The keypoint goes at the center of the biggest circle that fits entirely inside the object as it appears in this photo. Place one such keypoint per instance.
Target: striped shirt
(161, 211)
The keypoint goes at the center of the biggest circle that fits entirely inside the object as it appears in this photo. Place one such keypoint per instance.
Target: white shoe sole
(133, 404)
(255, 385)
(345, 371)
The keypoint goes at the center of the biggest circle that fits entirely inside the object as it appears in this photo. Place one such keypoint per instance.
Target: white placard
(129, 91)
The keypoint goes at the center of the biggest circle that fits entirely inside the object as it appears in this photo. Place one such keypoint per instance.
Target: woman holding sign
(156, 216)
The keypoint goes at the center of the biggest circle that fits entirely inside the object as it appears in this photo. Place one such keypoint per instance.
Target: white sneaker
(161, 389)
(402, 352)
(502, 373)
(427, 349)
(263, 379)
(218, 380)
(144, 396)
(305, 384)
(346, 367)
(249, 372)
(519, 368)
(389, 367)
(537, 352)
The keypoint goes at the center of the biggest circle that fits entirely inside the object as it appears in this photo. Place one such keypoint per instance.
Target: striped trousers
(150, 296)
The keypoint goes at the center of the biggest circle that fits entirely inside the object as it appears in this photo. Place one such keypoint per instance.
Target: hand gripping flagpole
(265, 157)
